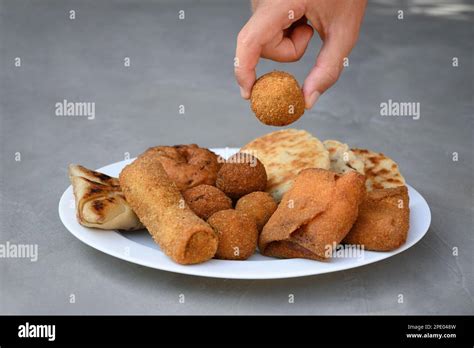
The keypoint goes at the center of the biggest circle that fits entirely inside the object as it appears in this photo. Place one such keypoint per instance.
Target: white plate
(138, 247)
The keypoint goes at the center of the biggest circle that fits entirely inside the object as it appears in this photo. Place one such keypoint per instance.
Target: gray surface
(190, 62)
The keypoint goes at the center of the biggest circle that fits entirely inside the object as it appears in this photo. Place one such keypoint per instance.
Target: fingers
(327, 69)
(292, 48)
(246, 58)
(263, 27)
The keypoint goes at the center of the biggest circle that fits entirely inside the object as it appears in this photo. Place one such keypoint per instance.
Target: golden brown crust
(277, 99)
(237, 234)
(259, 205)
(181, 234)
(290, 250)
(205, 200)
(315, 214)
(383, 221)
(187, 165)
(241, 174)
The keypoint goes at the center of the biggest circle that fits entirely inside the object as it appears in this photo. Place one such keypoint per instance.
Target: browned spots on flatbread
(380, 170)
(101, 176)
(98, 205)
(99, 200)
(95, 190)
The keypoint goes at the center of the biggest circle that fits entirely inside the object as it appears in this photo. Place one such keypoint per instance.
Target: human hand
(279, 30)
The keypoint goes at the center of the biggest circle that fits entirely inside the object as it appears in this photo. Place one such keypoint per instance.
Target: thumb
(326, 71)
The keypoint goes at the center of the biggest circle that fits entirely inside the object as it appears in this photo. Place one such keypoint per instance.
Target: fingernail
(244, 94)
(312, 99)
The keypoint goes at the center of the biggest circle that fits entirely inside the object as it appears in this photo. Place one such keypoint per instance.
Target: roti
(380, 171)
(342, 159)
(284, 154)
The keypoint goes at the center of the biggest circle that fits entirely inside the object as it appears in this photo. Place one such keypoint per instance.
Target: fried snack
(237, 234)
(187, 165)
(241, 174)
(205, 200)
(100, 202)
(154, 197)
(284, 154)
(314, 215)
(342, 158)
(277, 99)
(380, 170)
(259, 205)
(383, 221)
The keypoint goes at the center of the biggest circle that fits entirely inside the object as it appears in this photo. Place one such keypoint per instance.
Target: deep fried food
(259, 205)
(277, 99)
(156, 200)
(241, 174)
(206, 200)
(383, 221)
(237, 234)
(314, 215)
(187, 165)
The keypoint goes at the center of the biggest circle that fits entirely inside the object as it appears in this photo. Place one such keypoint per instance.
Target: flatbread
(284, 154)
(342, 159)
(100, 202)
(380, 171)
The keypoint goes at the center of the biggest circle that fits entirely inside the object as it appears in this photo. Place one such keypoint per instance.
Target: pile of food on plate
(287, 193)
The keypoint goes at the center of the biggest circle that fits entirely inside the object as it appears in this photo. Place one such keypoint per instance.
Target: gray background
(189, 62)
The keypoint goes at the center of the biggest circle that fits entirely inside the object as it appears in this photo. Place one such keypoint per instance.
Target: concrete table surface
(188, 62)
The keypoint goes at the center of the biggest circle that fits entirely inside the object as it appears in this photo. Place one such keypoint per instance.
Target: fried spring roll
(180, 233)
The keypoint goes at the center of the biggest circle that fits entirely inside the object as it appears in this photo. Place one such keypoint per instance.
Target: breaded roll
(180, 233)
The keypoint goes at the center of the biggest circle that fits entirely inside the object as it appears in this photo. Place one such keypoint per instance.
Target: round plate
(138, 246)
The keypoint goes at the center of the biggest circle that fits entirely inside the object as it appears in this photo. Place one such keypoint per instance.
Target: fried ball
(205, 200)
(240, 175)
(187, 165)
(259, 205)
(277, 99)
(237, 233)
